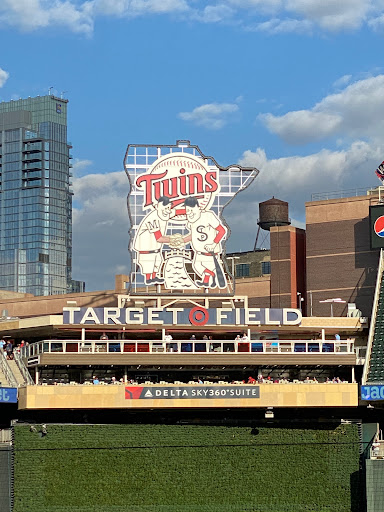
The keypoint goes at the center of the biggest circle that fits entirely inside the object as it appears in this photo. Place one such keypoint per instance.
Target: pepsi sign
(376, 222)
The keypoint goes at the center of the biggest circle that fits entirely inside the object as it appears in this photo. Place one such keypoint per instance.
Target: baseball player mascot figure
(149, 240)
(205, 235)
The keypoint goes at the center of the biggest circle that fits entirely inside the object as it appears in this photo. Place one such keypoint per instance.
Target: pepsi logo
(379, 226)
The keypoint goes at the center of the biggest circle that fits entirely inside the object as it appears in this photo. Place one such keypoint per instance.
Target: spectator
(251, 380)
(103, 336)
(193, 338)
(245, 337)
(9, 349)
(238, 338)
(205, 337)
(96, 380)
(2, 343)
(168, 337)
(337, 337)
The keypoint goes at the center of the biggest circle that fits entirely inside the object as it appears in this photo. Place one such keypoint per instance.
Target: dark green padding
(186, 468)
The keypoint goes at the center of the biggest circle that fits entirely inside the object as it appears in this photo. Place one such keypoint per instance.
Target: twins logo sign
(175, 206)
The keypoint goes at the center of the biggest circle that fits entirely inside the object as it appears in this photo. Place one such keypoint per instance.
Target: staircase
(13, 372)
(3, 380)
(374, 362)
(16, 372)
(6, 376)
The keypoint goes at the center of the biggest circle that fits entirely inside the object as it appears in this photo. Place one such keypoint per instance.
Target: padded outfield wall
(186, 468)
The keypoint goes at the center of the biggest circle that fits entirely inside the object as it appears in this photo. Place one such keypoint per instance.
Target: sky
(292, 87)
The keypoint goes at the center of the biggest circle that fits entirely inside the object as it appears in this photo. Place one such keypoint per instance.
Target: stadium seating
(376, 363)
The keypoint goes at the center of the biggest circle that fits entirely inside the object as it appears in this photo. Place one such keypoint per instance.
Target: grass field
(186, 468)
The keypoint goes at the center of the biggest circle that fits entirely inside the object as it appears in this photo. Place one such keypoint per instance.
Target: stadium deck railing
(188, 346)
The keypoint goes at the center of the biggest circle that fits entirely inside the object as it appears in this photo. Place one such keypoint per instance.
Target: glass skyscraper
(35, 197)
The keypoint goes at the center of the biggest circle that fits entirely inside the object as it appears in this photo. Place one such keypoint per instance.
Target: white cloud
(4, 75)
(377, 23)
(356, 111)
(123, 8)
(278, 26)
(295, 179)
(332, 14)
(342, 81)
(273, 16)
(212, 115)
(215, 13)
(100, 229)
(302, 16)
(80, 166)
(29, 15)
(302, 126)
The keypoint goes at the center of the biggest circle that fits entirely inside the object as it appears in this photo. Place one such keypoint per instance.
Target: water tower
(272, 212)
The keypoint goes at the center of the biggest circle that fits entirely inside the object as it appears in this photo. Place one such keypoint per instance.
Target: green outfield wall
(186, 468)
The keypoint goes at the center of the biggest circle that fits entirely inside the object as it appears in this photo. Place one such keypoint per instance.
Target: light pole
(300, 300)
(233, 258)
(332, 301)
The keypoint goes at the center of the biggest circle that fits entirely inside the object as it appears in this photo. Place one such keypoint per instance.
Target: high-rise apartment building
(35, 197)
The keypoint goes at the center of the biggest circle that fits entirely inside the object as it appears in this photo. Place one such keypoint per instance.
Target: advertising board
(8, 395)
(177, 231)
(376, 225)
(197, 316)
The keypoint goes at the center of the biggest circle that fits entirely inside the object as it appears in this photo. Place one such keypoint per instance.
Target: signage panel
(197, 316)
(191, 392)
(175, 204)
(376, 226)
(8, 395)
(372, 392)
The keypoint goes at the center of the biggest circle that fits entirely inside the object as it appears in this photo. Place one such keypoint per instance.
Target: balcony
(33, 166)
(30, 157)
(32, 176)
(32, 147)
(282, 352)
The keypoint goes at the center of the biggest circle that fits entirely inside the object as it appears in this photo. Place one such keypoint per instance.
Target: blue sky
(293, 87)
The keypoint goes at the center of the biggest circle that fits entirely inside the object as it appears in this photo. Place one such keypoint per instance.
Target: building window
(265, 267)
(242, 270)
(43, 258)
